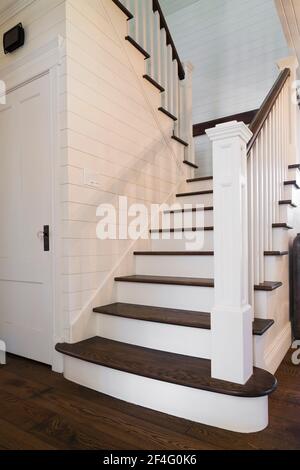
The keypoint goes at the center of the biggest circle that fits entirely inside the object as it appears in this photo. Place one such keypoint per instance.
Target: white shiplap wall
(112, 130)
(110, 126)
(234, 46)
(43, 20)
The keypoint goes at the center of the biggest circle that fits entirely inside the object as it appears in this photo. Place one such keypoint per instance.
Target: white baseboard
(278, 349)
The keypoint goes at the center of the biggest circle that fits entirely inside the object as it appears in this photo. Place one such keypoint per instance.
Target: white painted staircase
(157, 343)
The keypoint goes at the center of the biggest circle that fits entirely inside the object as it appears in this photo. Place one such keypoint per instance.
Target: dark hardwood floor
(41, 410)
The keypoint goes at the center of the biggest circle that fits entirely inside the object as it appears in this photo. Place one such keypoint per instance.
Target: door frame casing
(47, 60)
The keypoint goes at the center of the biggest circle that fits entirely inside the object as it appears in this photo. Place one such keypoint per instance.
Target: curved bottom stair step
(171, 316)
(167, 367)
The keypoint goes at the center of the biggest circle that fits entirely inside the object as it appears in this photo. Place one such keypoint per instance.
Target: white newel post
(186, 111)
(231, 318)
(292, 63)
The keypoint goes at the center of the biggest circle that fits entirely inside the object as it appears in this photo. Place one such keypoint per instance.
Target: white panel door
(25, 208)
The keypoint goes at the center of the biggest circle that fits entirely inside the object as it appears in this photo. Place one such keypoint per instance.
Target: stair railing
(149, 29)
(250, 167)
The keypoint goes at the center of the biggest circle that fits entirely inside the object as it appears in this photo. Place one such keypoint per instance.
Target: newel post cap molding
(229, 130)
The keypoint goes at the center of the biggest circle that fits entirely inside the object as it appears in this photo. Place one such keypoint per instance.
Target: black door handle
(46, 236)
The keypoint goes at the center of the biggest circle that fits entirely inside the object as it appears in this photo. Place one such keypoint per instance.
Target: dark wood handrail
(265, 109)
(163, 24)
(200, 128)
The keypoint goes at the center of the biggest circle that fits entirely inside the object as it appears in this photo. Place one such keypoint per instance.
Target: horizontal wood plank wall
(43, 20)
(234, 46)
(109, 130)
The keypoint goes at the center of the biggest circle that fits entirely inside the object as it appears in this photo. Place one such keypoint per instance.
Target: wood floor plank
(55, 413)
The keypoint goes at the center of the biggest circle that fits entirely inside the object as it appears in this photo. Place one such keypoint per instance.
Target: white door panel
(25, 207)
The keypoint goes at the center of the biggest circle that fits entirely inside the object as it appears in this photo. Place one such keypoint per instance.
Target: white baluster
(176, 97)
(256, 212)
(266, 188)
(157, 47)
(142, 32)
(186, 111)
(261, 195)
(150, 32)
(273, 140)
(277, 176)
(133, 24)
(164, 67)
(251, 226)
(269, 179)
(170, 80)
(281, 124)
(294, 118)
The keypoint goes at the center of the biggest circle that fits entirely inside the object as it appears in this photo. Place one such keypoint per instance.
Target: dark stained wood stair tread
(164, 366)
(137, 46)
(167, 113)
(187, 318)
(183, 229)
(193, 209)
(124, 9)
(268, 286)
(195, 193)
(292, 183)
(178, 139)
(170, 280)
(189, 281)
(200, 178)
(154, 82)
(294, 166)
(173, 253)
(282, 225)
(193, 165)
(287, 202)
(276, 253)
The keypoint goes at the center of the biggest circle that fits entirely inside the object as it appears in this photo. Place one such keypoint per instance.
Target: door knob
(44, 235)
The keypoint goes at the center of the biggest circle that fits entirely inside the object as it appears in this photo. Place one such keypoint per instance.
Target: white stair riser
(204, 199)
(293, 174)
(163, 337)
(233, 413)
(292, 193)
(277, 268)
(188, 297)
(195, 342)
(186, 266)
(270, 305)
(280, 239)
(165, 295)
(188, 219)
(286, 214)
(201, 241)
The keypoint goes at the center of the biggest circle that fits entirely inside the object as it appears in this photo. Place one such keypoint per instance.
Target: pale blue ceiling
(171, 6)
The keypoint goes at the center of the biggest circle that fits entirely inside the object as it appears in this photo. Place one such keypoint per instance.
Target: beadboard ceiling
(171, 6)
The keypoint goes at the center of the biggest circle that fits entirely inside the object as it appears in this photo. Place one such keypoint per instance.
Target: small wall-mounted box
(14, 38)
